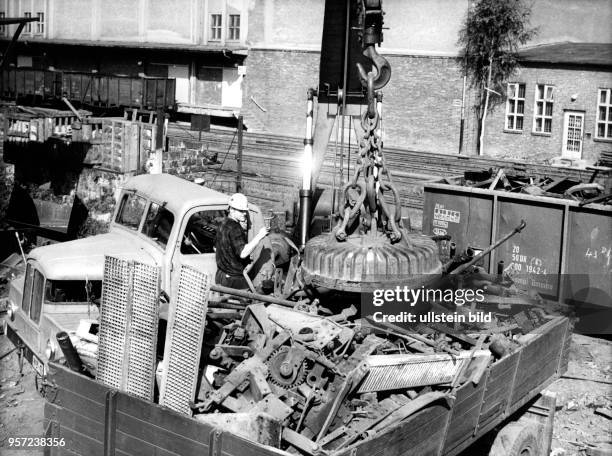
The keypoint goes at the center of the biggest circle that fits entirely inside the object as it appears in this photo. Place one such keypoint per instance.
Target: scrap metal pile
(308, 377)
(594, 191)
(297, 380)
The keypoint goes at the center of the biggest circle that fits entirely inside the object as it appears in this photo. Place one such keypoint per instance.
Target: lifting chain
(365, 196)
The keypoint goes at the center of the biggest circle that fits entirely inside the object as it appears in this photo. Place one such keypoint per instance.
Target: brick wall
(579, 83)
(274, 96)
(421, 104)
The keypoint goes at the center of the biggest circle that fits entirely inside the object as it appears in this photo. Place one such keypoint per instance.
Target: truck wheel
(516, 439)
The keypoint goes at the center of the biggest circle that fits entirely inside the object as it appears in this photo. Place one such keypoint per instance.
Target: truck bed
(96, 420)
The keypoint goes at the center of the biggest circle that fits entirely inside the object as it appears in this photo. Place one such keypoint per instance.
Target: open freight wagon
(93, 419)
(565, 253)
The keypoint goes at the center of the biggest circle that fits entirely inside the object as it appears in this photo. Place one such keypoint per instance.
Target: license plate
(38, 366)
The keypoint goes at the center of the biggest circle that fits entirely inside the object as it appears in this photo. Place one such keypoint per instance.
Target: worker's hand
(263, 232)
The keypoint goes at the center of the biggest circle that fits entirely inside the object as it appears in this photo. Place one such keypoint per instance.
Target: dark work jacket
(230, 241)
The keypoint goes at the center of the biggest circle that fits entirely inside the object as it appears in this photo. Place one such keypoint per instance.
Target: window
(215, 27)
(543, 109)
(40, 25)
(234, 27)
(72, 291)
(604, 114)
(28, 27)
(209, 86)
(158, 224)
(37, 294)
(201, 232)
(27, 290)
(130, 211)
(515, 107)
(32, 293)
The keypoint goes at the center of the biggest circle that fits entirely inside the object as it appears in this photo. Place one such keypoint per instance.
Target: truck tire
(516, 439)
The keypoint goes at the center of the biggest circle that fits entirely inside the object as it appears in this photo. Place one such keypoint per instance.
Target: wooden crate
(125, 145)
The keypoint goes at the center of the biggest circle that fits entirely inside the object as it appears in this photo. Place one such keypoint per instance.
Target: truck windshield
(131, 209)
(72, 291)
(158, 224)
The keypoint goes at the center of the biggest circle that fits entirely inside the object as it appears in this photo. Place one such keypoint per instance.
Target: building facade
(558, 104)
(201, 44)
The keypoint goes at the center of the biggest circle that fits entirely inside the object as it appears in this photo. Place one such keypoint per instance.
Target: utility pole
(239, 156)
(486, 107)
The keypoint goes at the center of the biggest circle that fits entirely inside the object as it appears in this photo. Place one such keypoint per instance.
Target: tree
(490, 38)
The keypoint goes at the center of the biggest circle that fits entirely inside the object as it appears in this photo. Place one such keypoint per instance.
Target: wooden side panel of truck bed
(90, 416)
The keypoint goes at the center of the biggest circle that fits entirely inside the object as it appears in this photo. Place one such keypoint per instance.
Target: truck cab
(43, 301)
(159, 219)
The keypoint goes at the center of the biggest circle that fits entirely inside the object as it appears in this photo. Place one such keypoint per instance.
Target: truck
(160, 219)
(310, 376)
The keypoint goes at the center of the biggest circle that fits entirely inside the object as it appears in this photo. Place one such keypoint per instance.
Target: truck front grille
(184, 340)
(129, 316)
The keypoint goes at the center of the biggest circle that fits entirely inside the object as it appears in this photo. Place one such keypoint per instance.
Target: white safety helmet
(238, 201)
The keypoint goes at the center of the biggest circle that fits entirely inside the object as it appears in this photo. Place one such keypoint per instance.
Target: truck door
(195, 245)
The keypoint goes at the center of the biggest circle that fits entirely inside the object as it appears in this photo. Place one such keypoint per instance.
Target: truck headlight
(51, 351)
(10, 312)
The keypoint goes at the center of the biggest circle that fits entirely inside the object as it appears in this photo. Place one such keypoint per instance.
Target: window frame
(221, 212)
(215, 28)
(2, 27)
(28, 285)
(545, 101)
(607, 121)
(28, 27)
(122, 204)
(233, 29)
(514, 100)
(147, 219)
(40, 25)
(38, 292)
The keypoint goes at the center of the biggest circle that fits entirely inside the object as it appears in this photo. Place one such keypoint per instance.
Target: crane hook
(381, 64)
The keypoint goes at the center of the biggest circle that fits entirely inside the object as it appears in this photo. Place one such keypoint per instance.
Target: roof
(592, 54)
(179, 194)
(84, 258)
(228, 48)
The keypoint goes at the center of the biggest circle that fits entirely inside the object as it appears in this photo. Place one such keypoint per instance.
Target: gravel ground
(21, 407)
(580, 424)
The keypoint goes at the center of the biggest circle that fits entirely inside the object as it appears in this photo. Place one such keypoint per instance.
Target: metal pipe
(500, 269)
(72, 357)
(489, 249)
(249, 295)
(306, 178)
(73, 109)
(304, 218)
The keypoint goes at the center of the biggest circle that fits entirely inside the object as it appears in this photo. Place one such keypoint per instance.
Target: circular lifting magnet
(363, 263)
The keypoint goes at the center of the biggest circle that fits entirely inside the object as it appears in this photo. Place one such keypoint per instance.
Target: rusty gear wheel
(285, 374)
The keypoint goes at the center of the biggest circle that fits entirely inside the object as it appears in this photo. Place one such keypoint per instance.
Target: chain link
(375, 180)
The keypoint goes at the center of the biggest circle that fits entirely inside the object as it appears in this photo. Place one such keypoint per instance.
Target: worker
(231, 246)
